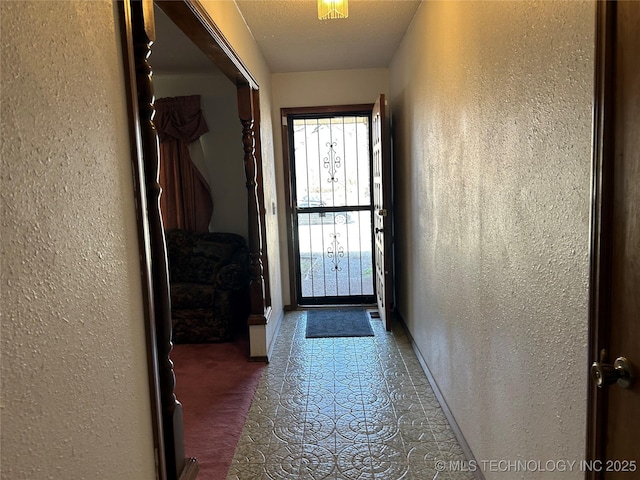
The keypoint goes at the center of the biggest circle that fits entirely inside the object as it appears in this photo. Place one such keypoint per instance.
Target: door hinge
(284, 121)
(382, 212)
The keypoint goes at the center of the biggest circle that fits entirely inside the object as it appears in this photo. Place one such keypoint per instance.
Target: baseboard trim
(464, 445)
(275, 335)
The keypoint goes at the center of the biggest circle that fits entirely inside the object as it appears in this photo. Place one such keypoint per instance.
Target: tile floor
(344, 409)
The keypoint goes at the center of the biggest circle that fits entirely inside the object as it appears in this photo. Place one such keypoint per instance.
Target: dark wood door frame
(601, 208)
(613, 289)
(137, 37)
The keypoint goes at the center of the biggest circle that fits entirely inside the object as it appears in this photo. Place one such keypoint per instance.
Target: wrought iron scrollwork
(335, 252)
(332, 162)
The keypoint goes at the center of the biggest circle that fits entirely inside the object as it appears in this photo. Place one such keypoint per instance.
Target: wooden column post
(257, 287)
(143, 30)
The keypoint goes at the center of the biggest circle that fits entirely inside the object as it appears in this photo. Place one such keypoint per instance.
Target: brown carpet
(215, 384)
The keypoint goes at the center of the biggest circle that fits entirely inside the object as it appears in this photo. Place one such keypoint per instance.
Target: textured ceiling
(292, 38)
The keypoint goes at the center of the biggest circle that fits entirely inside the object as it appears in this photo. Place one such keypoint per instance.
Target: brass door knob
(605, 374)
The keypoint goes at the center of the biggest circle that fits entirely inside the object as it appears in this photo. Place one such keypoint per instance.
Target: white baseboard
(466, 449)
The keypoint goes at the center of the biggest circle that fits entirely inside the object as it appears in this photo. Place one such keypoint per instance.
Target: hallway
(344, 409)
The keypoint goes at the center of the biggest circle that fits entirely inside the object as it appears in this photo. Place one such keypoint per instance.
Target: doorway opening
(330, 179)
(337, 166)
(138, 35)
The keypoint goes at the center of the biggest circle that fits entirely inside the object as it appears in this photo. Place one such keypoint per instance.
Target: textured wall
(75, 400)
(491, 106)
(312, 89)
(223, 162)
(330, 87)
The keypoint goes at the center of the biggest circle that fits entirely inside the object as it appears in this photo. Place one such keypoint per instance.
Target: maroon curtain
(186, 201)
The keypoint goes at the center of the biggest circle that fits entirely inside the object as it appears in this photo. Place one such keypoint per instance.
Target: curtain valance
(186, 202)
(180, 118)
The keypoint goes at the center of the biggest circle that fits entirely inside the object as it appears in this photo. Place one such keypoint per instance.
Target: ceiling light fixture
(329, 9)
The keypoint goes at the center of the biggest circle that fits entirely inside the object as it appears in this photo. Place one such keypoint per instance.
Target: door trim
(383, 208)
(196, 23)
(601, 217)
(144, 234)
(288, 185)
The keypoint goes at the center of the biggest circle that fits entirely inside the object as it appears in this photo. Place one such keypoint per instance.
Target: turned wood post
(143, 29)
(257, 287)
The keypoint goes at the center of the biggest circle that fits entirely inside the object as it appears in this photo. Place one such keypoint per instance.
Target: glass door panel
(333, 223)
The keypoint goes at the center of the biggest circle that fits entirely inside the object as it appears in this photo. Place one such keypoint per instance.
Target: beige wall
(226, 16)
(491, 104)
(75, 400)
(222, 162)
(311, 89)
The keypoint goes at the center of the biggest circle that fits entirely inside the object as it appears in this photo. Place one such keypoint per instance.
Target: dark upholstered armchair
(209, 277)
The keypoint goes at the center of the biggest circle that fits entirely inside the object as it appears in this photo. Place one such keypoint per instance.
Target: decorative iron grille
(331, 175)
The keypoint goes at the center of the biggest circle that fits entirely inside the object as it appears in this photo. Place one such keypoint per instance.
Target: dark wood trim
(260, 319)
(144, 240)
(462, 441)
(358, 300)
(143, 30)
(327, 109)
(293, 288)
(257, 286)
(601, 213)
(138, 36)
(192, 18)
(260, 187)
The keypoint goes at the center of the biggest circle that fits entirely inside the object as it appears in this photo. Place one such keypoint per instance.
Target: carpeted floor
(215, 384)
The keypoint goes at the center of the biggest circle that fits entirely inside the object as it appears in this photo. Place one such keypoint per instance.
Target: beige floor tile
(344, 409)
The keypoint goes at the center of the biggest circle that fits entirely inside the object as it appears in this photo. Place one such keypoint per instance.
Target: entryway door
(339, 186)
(614, 394)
